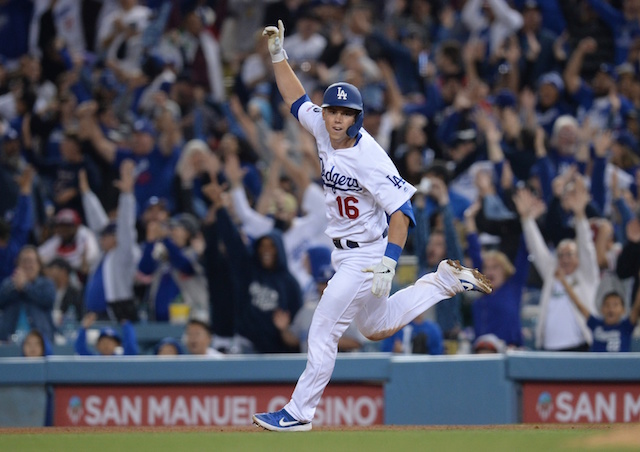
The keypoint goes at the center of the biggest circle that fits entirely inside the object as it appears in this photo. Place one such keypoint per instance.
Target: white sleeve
(472, 17)
(91, 243)
(47, 251)
(542, 257)
(97, 218)
(384, 182)
(588, 263)
(507, 16)
(126, 232)
(105, 28)
(310, 117)
(253, 224)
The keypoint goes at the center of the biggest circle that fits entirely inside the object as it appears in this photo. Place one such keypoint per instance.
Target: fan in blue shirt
(611, 330)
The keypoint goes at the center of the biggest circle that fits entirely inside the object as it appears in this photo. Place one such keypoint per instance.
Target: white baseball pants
(348, 298)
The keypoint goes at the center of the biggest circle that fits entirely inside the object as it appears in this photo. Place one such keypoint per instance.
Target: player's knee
(378, 335)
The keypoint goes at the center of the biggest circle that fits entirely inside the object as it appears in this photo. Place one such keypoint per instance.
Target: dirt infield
(619, 436)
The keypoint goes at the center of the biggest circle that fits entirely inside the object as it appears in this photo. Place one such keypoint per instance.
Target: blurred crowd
(150, 174)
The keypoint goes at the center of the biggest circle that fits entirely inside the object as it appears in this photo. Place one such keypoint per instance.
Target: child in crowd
(612, 331)
(35, 345)
(109, 342)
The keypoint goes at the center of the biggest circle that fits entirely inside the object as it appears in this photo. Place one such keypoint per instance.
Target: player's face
(612, 309)
(337, 120)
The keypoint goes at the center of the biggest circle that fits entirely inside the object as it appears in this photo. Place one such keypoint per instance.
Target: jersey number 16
(347, 208)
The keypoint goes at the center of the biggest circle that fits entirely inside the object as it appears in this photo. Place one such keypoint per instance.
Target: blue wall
(418, 390)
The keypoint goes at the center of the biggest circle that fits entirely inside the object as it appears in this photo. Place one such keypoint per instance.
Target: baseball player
(369, 213)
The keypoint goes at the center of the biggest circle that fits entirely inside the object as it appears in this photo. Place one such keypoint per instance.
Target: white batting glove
(276, 42)
(383, 274)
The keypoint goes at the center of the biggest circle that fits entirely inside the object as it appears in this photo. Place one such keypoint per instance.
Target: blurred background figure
(28, 295)
(109, 342)
(488, 343)
(35, 345)
(197, 338)
(168, 347)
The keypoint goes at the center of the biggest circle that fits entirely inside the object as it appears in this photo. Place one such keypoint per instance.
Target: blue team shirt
(154, 174)
(15, 21)
(610, 338)
(430, 330)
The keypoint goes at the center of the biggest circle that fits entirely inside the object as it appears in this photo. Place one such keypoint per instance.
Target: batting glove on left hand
(276, 42)
(383, 274)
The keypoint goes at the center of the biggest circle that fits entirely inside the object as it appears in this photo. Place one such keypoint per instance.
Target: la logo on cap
(342, 94)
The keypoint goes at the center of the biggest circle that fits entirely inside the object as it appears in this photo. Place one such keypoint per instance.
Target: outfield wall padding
(418, 390)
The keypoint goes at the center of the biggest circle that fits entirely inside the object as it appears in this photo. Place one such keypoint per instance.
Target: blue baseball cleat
(280, 421)
(470, 278)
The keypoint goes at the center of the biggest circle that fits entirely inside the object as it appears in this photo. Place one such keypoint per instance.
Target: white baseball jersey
(361, 184)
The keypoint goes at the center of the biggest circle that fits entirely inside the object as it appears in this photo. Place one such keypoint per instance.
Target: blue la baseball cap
(109, 332)
(156, 201)
(627, 139)
(608, 69)
(143, 125)
(552, 78)
(505, 98)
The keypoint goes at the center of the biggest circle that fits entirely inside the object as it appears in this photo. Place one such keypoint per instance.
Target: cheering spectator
(69, 302)
(201, 51)
(120, 37)
(109, 288)
(420, 336)
(14, 234)
(560, 326)
(35, 345)
(499, 312)
(298, 232)
(488, 343)
(177, 276)
(29, 290)
(612, 330)
(628, 262)
(155, 156)
(435, 238)
(167, 347)
(491, 22)
(266, 283)
(198, 339)
(598, 101)
(536, 43)
(109, 342)
(73, 242)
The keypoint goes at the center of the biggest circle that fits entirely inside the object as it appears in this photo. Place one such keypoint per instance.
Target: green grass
(392, 440)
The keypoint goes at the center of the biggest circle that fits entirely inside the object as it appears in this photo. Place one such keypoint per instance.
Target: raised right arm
(288, 83)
